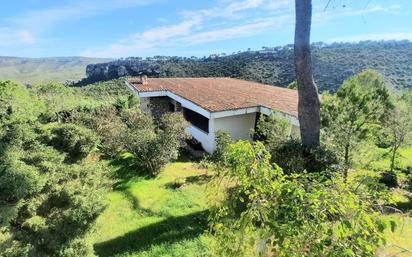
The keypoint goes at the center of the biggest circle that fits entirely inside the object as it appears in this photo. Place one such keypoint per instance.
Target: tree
(52, 204)
(57, 98)
(273, 130)
(260, 211)
(397, 126)
(354, 112)
(293, 85)
(309, 104)
(153, 148)
(17, 104)
(48, 205)
(76, 141)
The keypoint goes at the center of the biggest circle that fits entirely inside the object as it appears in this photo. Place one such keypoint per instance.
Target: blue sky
(121, 28)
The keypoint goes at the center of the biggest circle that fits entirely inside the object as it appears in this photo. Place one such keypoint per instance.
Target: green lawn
(167, 216)
(401, 240)
(151, 217)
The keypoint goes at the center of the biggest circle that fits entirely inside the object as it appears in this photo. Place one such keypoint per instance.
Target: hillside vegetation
(84, 173)
(39, 70)
(333, 64)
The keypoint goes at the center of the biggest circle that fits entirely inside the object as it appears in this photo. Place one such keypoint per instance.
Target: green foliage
(354, 113)
(333, 63)
(58, 98)
(17, 104)
(17, 179)
(268, 213)
(105, 121)
(273, 130)
(223, 140)
(107, 90)
(152, 150)
(293, 157)
(293, 85)
(74, 140)
(52, 203)
(126, 102)
(397, 128)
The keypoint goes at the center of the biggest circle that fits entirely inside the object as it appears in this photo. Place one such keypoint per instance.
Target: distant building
(213, 104)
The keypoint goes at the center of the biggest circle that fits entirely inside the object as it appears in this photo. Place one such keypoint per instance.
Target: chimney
(143, 79)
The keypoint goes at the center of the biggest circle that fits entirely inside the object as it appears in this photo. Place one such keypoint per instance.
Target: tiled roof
(221, 94)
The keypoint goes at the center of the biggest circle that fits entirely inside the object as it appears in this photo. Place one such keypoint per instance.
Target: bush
(408, 182)
(57, 207)
(292, 156)
(272, 130)
(223, 141)
(74, 140)
(18, 180)
(153, 150)
(264, 212)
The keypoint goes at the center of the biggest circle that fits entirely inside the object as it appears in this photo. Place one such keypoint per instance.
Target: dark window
(196, 119)
(171, 107)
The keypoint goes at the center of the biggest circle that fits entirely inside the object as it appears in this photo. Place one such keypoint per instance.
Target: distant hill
(333, 63)
(36, 70)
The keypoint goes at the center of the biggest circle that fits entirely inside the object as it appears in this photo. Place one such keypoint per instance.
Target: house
(213, 104)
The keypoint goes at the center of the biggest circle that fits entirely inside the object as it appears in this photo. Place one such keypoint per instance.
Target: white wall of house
(238, 126)
(206, 139)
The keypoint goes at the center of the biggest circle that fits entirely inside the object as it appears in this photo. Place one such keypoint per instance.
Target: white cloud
(26, 37)
(321, 17)
(145, 40)
(236, 31)
(375, 37)
(197, 27)
(12, 37)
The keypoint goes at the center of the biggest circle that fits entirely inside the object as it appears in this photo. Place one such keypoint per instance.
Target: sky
(123, 28)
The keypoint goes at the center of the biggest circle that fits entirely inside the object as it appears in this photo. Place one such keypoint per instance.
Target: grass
(399, 243)
(376, 158)
(167, 216)
(40, 70)
(163, 216)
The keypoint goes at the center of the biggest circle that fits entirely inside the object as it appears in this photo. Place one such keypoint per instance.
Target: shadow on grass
(170, 230)
(199, 179)
(405, 206)
(126, 169)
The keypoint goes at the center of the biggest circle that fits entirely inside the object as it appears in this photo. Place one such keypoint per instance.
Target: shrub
(153, 150)
(18, 180)
(264, 212)
(17, 104)
(74, 140)
(354, 113)
(272, 130)
(223, 141)
(292, 156)
(61, 205)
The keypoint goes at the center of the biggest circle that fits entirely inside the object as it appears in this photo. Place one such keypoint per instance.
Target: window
(196, 120)
(171, 107)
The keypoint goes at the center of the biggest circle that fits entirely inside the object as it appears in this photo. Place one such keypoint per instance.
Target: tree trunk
(309, 105)
(394, 149)
(346, 162)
